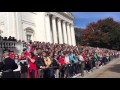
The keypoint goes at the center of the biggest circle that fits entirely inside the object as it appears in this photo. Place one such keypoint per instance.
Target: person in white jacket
(82, 65)
(80, 57)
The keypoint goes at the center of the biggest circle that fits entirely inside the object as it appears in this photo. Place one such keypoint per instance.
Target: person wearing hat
(7, 66)
(25, 52)
(12, 55)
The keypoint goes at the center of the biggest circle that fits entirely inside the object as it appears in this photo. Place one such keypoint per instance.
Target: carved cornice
(29, 30)
(68, 15)
(54, 17)
(27, 22)
(34, 13)
(62, 15)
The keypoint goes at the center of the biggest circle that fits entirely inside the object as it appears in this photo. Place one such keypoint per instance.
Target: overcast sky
(84, 18)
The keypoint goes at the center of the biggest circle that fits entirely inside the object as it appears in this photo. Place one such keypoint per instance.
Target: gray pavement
(111, 70)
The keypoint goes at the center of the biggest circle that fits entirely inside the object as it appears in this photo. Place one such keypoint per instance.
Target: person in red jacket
(62, 66)
(61, 60)
(32, 70)
(12, 55)
(26, 53)
(84, 56)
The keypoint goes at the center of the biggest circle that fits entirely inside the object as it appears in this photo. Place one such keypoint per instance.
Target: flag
(92, 29)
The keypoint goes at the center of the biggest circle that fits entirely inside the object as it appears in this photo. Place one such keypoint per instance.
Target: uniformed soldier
(7, 66)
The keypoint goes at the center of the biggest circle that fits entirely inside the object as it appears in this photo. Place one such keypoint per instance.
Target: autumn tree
(103, 33)
(78, 35)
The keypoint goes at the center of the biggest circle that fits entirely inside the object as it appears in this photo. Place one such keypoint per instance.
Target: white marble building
(53, 27)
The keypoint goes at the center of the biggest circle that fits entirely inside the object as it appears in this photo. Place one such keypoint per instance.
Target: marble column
(64, 32)
(54, 29)
(19, 30)
(10, 22)
(69, 35)
(48, 31)
(7, 25)
(73, 35)
(60, 31)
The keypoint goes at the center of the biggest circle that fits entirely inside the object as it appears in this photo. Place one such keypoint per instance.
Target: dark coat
(104, 59)
(40, 62)
(7, 64)
(55, 64)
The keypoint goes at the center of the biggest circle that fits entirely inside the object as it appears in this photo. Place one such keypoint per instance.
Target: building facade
(53, 27)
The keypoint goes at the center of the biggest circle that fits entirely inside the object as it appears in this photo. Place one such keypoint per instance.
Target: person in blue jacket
(72, 60)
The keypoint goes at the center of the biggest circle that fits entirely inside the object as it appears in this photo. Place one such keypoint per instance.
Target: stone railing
(11, 45)
(7, 44)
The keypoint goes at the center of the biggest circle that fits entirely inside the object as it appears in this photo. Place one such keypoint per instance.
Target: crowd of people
(45, 60)
(10, 38)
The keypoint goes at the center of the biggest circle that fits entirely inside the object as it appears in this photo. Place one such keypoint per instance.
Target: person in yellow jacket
(47, 62)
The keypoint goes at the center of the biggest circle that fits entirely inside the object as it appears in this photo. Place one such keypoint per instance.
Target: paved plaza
(111, 70)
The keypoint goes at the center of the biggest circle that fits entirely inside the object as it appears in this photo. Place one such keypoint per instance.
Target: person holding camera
(23, 66)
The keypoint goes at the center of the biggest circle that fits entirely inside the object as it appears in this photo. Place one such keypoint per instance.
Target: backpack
(40, 62)
(24, 67)
(55, 64)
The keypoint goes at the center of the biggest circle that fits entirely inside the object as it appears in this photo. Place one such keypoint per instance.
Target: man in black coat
(7, 66)
(55, 66)
(104, 59)
(40, 63)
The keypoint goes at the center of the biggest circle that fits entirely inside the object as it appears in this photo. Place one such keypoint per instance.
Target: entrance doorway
(28, 37)
(29, 34)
